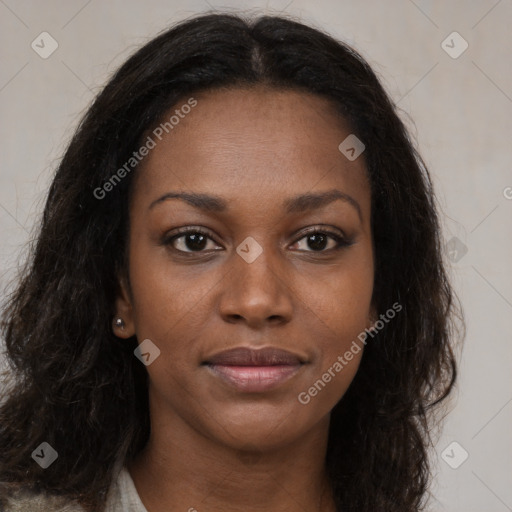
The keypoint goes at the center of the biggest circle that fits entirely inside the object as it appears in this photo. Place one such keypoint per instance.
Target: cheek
(337, 312)
(337, 327)
(168, 299)
(340, 299)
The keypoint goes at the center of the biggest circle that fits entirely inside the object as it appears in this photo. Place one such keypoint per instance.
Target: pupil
(197, 241)
(317, 241)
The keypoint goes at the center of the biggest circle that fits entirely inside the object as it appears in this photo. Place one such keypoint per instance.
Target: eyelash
(341, 242)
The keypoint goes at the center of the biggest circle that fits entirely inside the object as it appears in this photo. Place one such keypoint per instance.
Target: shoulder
(29, 501)
(122, 497)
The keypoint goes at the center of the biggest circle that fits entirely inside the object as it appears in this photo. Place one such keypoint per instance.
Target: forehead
(257, 142)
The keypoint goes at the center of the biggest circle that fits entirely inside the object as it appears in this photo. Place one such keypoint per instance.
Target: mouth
(254, 371)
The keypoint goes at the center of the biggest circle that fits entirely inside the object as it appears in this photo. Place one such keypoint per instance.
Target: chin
(261, 428)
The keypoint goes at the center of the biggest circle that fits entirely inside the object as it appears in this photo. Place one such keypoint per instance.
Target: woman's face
(261, 169)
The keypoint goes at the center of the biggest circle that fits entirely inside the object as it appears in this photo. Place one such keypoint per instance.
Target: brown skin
(211, 446)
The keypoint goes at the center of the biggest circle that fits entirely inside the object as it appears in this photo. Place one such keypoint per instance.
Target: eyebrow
(296, 204)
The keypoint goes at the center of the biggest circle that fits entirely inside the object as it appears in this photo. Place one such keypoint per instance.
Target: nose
(257, 293)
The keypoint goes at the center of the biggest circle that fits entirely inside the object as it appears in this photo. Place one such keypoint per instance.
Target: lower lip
(254, 379)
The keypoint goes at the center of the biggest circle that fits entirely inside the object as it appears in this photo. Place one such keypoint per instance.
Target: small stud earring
(119, 322)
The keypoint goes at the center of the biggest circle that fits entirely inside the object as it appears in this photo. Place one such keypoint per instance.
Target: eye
(318, 240)
(191, 239)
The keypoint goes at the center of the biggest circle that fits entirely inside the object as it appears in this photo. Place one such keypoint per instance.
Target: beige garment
(122, 497)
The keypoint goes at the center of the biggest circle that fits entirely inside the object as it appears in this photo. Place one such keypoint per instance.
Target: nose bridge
(256, 289)
(255, 266)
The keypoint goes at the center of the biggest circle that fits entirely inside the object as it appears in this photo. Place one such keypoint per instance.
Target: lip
(245, 356)
(252, 370)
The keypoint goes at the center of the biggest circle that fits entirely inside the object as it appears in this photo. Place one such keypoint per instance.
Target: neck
(189, 471)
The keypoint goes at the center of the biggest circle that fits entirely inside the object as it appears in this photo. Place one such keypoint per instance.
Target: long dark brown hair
(73, 384)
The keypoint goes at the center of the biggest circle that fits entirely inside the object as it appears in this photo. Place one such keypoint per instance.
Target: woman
(237, 298)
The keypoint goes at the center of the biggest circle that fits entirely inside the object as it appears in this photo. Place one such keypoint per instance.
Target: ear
(124, 310)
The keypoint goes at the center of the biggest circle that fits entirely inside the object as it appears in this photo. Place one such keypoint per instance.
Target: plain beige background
(458, 106)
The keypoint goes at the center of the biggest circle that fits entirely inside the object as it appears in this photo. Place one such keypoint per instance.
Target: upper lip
(244, 356)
